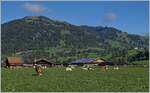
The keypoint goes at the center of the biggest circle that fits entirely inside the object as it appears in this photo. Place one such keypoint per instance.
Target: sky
(127, 16)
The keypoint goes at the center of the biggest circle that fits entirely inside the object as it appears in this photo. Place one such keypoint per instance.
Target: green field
(57, 79)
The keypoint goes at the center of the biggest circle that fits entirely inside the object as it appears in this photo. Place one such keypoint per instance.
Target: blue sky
(131, 17)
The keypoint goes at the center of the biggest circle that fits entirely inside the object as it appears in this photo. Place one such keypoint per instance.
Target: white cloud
(110, 16)
(34, 8)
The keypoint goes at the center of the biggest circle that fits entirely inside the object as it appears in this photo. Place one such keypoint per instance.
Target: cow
(68, 69)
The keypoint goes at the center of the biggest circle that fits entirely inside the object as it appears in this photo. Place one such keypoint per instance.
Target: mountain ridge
(36, 32)
(88, 26)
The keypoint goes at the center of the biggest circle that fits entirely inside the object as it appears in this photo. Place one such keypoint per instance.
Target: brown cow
(39, 70)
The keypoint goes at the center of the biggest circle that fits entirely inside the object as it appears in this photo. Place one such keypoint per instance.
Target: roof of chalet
(84, 60)
(100, 60)
(14, 60)
(41, 60)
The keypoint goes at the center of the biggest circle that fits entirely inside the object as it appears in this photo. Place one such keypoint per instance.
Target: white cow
(116, 68)
(91, 69)
(106, 68)
(84, 68)
(68, 69)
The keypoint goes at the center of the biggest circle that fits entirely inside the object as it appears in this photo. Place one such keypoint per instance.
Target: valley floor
(54, 79)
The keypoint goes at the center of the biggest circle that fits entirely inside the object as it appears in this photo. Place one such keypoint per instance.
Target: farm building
(13, 62)
(83, 61)
(44, 62)
(91, 61)
(17, 62)
(99, 61)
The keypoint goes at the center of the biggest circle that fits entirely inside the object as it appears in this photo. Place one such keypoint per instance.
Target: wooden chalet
(87, 61)
(44, 62)
(91, 61)
(12, 62)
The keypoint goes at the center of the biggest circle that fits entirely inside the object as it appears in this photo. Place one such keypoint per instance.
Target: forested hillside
(38, 36)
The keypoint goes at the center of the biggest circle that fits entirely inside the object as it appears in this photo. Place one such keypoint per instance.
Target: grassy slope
(57, 79)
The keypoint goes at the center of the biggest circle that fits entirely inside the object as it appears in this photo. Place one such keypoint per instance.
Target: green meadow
(127, 79)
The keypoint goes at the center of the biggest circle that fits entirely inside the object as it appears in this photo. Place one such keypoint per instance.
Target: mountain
(40, 33)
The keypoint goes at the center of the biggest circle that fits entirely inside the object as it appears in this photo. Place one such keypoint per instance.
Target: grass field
(57, 79)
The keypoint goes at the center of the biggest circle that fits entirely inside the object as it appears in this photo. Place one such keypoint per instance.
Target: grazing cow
(84, 68)
(145, 66)
(39, 70)
(91, 69)
(104, 68)
(44, 67)
(116, 68)
(68, 69)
